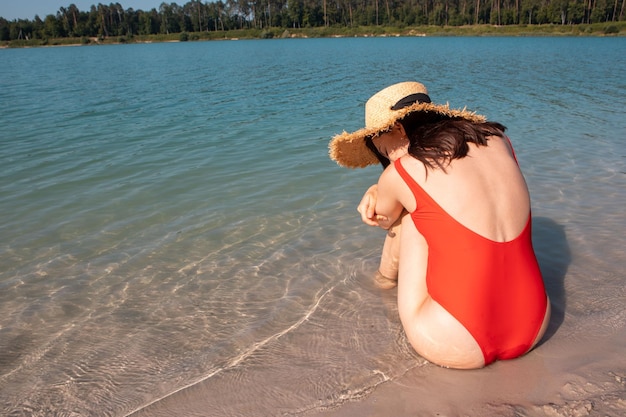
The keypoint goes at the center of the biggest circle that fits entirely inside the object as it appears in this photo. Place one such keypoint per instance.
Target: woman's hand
(367, 206)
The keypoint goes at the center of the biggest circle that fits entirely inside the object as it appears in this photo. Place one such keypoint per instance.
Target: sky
(28, 9)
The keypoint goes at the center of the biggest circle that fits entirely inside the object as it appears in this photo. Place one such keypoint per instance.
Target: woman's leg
(413, 256)
(433, 332)
(387, 275)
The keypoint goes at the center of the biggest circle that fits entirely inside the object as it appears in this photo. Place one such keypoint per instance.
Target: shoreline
(144, 251)
(582, 30)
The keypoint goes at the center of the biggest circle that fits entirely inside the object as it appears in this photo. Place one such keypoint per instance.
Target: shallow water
(175, 239)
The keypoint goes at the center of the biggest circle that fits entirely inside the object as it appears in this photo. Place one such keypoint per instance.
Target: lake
(176, 241)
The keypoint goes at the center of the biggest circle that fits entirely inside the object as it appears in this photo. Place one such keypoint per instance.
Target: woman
(469, 287)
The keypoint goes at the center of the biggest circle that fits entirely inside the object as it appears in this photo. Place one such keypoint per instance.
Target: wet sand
(577, 370)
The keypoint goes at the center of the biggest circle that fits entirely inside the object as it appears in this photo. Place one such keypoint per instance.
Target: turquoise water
(172, 226)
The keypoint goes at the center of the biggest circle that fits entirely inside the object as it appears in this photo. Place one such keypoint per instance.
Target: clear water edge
(172, 224)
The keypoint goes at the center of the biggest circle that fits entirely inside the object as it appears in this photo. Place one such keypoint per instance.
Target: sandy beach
(177, 242)
(577, 370)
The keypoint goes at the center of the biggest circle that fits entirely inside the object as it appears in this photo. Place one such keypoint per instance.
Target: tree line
(196, 16)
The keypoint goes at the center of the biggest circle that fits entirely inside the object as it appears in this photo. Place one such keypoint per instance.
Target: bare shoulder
(389, 176)
(502, 143)
(393, 182)
(415, 168)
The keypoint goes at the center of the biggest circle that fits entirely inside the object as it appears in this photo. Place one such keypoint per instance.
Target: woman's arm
(367, 206)
(388, 206)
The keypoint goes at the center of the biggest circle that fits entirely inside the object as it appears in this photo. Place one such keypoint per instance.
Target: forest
(113, 20)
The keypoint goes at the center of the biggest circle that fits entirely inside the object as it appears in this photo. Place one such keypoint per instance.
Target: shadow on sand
(553, 254)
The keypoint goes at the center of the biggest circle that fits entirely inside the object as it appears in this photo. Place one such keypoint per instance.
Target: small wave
(234, 362)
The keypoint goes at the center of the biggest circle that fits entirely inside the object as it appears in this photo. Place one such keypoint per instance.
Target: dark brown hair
(436, 141)
(381, 158)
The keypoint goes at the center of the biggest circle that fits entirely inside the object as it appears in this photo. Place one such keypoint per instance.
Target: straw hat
(382, 110)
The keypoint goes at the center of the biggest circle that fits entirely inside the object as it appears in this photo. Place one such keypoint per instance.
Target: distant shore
(613, 29)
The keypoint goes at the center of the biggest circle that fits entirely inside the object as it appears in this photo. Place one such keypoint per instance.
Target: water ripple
(174, 234)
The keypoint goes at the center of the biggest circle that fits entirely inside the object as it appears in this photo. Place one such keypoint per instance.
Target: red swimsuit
(494, 289)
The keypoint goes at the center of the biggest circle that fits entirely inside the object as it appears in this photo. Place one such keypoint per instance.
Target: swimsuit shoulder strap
(421, 196)
(511, 146)
(424, 201)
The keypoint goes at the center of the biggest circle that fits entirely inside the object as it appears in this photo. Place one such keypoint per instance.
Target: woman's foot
(384, 282)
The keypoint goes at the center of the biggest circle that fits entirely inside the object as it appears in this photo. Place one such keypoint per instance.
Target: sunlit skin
(393, 145)
(432, 331)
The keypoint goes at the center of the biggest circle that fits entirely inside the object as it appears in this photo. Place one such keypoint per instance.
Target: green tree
(205, 15)
(52, 28)
(295, 10)
(5, 30)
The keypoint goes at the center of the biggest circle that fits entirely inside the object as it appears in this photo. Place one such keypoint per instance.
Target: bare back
(484, 191)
